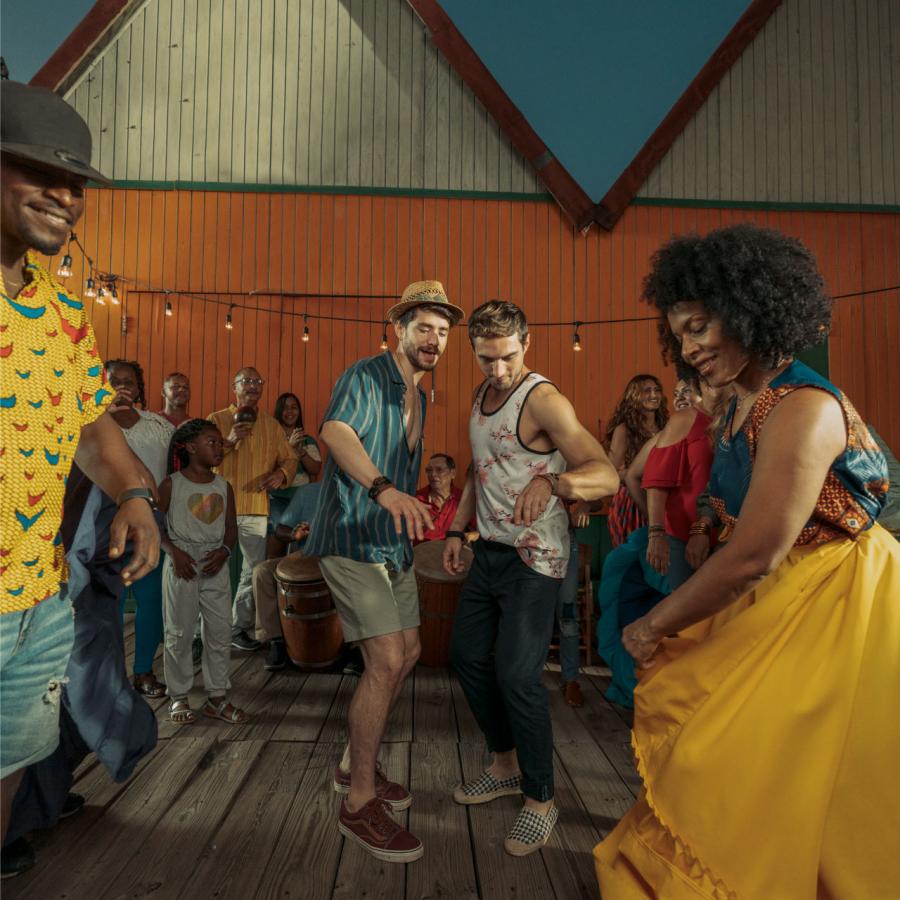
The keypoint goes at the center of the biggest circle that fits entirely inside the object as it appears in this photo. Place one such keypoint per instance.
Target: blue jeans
(567, 616)
(501, 631)
(148, 618)
(35, 645)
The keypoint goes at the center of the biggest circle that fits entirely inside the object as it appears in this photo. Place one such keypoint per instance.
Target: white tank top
(503, 467)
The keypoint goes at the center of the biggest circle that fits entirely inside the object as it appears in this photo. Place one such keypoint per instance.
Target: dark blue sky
(30, 30)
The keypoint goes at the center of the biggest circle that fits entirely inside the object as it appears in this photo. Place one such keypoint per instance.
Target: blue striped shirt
(370, 398)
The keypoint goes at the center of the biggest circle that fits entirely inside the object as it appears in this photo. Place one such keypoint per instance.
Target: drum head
(429, 562)
(297, 567)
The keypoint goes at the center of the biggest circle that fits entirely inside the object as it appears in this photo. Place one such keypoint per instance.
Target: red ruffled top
(683, 470)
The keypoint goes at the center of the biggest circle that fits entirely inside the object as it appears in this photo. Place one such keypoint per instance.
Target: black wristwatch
(381, 483)
(135, 494)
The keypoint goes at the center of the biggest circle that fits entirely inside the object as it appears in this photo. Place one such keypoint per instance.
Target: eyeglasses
(259, 382)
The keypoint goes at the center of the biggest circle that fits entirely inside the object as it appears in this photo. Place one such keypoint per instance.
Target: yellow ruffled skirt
(769, 742)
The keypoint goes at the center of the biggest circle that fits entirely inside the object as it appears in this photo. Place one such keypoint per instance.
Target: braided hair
(135, 367)
(178, 457)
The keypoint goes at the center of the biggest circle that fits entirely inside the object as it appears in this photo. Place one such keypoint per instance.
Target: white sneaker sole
(406, 856)
(395, 805)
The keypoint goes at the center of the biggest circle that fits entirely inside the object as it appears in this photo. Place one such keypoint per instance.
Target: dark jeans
(502, 628)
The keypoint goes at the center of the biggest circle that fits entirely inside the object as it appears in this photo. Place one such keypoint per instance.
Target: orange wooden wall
(225, 245)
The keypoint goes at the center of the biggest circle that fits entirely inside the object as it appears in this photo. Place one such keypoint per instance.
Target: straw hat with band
(425, 293)
(38, 126)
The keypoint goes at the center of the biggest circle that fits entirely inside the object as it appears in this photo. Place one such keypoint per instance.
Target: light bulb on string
(384, 340)
(89, 290)
(576, 339)
(228, 323)
(101, 292)
(169, 308)
(113, 294)
(65, 267)
(305, 336)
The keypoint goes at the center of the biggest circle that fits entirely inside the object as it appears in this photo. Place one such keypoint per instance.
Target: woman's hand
(580, 514)
(696, 550)
(184, 564)
(641, 641)
(658, 552)
(298, 435)
(214, 560)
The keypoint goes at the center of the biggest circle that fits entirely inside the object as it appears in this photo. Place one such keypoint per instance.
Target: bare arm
(618, 445)
(108, 461)
(636, 472)
(345, 446)
(658, 545)
(464, 513)
(589, 474)
(801, 439)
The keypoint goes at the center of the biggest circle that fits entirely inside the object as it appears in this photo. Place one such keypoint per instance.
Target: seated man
(293, 529)
(440, 495)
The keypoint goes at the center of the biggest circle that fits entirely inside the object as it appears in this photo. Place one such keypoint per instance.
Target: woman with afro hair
(767, 716)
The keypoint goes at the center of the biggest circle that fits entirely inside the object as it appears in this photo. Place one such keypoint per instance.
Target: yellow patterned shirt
(52, 383)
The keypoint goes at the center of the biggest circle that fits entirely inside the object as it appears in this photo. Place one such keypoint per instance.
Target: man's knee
(385, 658)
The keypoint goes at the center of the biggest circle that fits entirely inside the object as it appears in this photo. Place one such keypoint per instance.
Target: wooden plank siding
(810, 113)
(220, 247)
(308, 92)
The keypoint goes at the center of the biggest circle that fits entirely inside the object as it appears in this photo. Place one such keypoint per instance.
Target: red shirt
(443, 517)
(682, 469)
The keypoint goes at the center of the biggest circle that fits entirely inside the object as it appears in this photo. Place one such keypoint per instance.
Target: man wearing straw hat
(366, 520)
(52, 398)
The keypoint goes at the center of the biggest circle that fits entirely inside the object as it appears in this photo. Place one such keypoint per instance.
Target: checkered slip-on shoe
(530, 831)
(486, 788)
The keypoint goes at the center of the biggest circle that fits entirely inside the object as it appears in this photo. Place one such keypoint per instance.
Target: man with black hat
(53, 396)
(366, 519)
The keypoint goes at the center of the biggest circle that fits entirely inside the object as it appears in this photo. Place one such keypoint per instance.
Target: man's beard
(43, 244)
(412, 354)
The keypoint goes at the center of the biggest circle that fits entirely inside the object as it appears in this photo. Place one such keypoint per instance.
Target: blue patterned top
(855, 490)
(370, 398)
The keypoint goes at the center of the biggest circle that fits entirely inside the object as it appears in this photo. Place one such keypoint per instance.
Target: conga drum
(312, 631)
(438, 595)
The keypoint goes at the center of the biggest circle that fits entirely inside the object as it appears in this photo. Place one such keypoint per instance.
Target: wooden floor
(249, 812)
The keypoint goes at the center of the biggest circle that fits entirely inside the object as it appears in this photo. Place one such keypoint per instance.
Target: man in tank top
(529, 452)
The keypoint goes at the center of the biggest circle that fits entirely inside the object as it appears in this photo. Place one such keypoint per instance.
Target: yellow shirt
(52, 384)
(254, 458)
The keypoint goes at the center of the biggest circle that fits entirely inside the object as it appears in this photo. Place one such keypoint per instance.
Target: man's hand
(300, 532)
(272, 481)
(121, 400)
(658, 552)
(453, 563)
(214, 560)
(580, 514)
(532, 502)
(696, 550)
(238, 432)
(134, 521)
(406, 510)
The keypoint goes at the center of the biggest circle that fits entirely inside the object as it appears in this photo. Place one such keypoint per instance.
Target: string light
(576, 339)
(305, 337)
(65, 267)
(168, 308)
(113, 293)
(101, 293)
(89, 290)
(384, 341)
(228, 323)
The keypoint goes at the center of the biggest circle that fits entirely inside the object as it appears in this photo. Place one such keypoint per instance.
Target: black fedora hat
(38, 125)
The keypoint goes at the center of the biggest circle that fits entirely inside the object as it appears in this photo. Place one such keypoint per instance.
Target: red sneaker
(375, 831)
(395, 795)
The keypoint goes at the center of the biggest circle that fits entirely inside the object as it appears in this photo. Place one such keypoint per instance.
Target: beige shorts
(370, 598)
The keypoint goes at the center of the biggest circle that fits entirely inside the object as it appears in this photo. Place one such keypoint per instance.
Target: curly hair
(763, 285)
(135, 367)
(178, 457)
(279, 408)
(630, 412)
